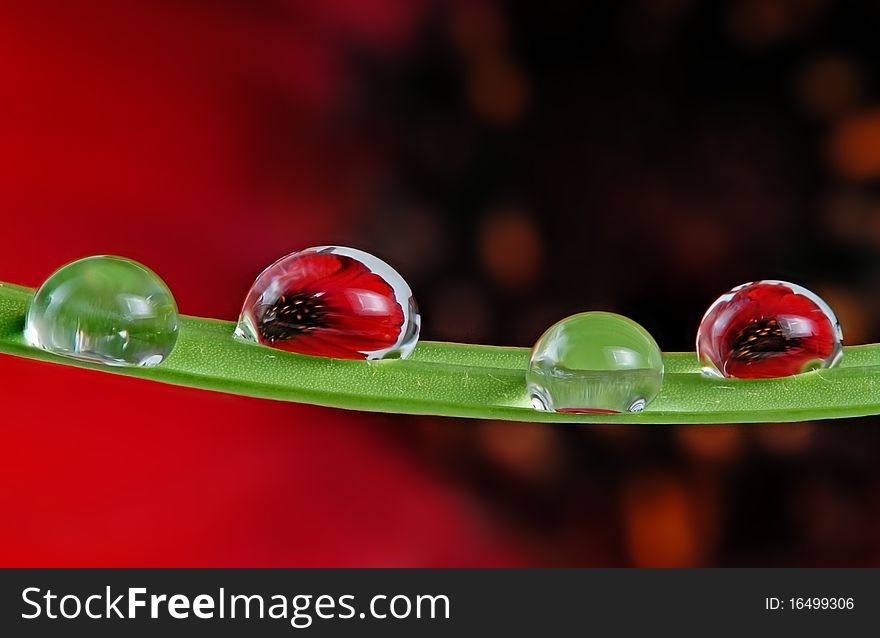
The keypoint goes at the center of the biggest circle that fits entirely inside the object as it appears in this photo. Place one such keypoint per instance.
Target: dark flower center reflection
(761, 339)
(292, 315)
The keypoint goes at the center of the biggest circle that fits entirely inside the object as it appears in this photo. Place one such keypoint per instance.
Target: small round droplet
(332, 301)
(104, 309)
(595, 362)
(768, 329)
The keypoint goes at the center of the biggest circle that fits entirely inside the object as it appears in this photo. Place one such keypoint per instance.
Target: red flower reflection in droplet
(327, 302)
(768, 329)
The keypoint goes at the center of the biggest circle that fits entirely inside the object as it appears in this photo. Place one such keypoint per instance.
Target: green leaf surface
(459, 380)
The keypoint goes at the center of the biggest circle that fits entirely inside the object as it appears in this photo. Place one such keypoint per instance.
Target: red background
(138, 129)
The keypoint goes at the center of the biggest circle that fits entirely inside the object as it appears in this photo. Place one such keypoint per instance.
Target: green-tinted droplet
(595, 362)
(105, 309)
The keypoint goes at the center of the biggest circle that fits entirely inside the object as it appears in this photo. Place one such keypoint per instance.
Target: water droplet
(105, 309)
(595, 362)
(768, 329)
(334, 302)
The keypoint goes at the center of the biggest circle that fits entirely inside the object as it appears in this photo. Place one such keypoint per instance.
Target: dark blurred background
(517, 162)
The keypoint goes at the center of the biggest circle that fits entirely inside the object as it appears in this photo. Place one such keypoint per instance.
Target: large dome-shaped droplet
(768, 329)
(595, 362)
(104, 309)
(332, 301)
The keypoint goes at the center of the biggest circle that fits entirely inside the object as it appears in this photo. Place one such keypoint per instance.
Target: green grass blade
(473, 381)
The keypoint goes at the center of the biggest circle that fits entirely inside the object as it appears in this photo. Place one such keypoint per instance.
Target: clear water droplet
(332, 301)
(595, 362)
(104, 309)
(768, 329)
